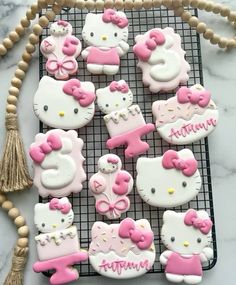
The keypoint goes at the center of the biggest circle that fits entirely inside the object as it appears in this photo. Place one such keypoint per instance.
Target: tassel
(14, 174)
(16, 275)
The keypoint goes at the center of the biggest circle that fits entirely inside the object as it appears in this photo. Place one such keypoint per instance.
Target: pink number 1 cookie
(61, 50)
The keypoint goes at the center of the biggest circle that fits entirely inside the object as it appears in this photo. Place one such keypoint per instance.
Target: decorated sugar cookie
(187, 237)
(170, 180)
(188, 117)
(57, 245)
(106, 36)
(124, 250)
(61, 50)
(64, 104)
(124, 121)
(161, 59)
(110, 187)
(58, 163)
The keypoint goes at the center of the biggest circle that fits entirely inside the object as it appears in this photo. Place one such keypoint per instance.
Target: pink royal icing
(57, 204)
(187, 95)
(104, 57)
(69, 47)
(120, 205)
(61, 67)
(111, 16)
(117, 86)
(191, 219)
(171, 160)
(121, 183)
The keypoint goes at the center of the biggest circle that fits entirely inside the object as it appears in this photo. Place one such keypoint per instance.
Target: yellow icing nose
(104, 38)
(54, 226)
(117, 105)
(186, 243)
(171, 191)
(61, 114)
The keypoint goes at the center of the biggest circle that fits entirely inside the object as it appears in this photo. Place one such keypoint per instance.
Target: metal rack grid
(95, 133)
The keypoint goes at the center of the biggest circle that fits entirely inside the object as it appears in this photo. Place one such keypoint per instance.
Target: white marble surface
(219, 77)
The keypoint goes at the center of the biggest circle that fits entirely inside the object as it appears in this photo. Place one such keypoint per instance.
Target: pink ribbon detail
(144, 50)
(171, 160)
(112, 160)
(73, 88)
(142, 238)
(191, 219)
(111, 16)
(56, 204)
(120, 205)
(121, 87)
(199, 97)
(62, 67)
(62, 23)
(39, 152)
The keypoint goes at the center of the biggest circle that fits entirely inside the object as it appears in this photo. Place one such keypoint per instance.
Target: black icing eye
(153, 190)
(115, 34)
(172, 239)
(62, 220)
(45, 107)
(199, 240)
(91, 34)
(43, 225)
(107, 105)
(76, 110)
(184, 184)
(124, 99)
(113, 166)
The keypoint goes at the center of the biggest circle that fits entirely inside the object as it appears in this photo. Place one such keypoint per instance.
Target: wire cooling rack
(95, 133)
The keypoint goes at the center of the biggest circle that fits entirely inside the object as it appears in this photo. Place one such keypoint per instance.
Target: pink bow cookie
(191, 219)
(56, 204)
(118, 86)
(186, 95)
(111, 16)
(61, 67)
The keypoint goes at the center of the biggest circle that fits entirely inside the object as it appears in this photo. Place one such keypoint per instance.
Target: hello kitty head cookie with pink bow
(58, 163)
(170, 180)
(124, 250)
(188, 117)
(64, 104)
(61, 50)
(161, 59)
(110, 187)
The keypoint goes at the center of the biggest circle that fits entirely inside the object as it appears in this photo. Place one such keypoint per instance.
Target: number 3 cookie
(161, 59)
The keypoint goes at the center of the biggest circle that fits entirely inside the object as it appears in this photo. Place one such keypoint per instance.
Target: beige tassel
(14, 174)
(16, 275)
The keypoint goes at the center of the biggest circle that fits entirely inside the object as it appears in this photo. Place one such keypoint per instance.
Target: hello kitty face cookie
(170, 180)
(61, 50)
(110, 187)
(106, 36)
(187, 237)
(124, 250)
(64, 104)
(161, 59)
(188, 117)
(58, 163)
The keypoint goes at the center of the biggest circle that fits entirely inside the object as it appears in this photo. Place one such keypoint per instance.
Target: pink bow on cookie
(171, 160)
(142, 238)
(55, 66)
(56, 204)
(73, 88)
(111, 16)
(117, 86)
(62, 23)
(191, 219)
(120, 205)
(143, 50)
(38, 153)
(186, 95)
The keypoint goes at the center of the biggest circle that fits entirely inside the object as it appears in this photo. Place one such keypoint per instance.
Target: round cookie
(124, 250)
(58, 163)
(170, 180)
(106, 36)
(61, 50)
(188, 117)
(64, 104)
(110, 187)
(161, 59)
(187, 237)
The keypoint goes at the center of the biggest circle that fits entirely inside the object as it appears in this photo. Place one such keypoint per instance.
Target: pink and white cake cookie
(58, 244)
(124, 250)
(58, 163)
(61, 50)
(106, 36)
(124, 121)
(110, 187)
(161, 59)
(188, 117)
(187, 237)
(64, 104)
(170, 180)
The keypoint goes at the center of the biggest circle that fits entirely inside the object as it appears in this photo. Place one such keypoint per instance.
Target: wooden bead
(12, 100)
(3, 50)
(232, 16)
(50, 2)
(70, 3)
(30, 15)
(80, 4)
(11, 109)
(33, 39)
(16, 82)
(43, 4)
(8, 44)
(217, 8)
(223, 42)
(19, 221)
(43, 21)
(201, 28)
(108, 4)
(30, 48)
(208, 34)
(56, 9)
(193, 21)
(201, 4)
(209, 6)
(225, 11)
(7, 205)
(50, 15)
(90, 5)
(147, 4)
(138, 4)
(167, 3)
(215, 39)
(156, 3)
(23, 231)
(14, 212)
(194, 3)
(13, 91)
(25, 22)
(20, 30)
(14, 37)
(23, 65)
(2, 198)
(186, 2)
(35, 8)
(186, 15)
(61, 2)
(22, 242)
(99, 4)
(119, 4)
(179, 11)
(231, 44)
(26, 56)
